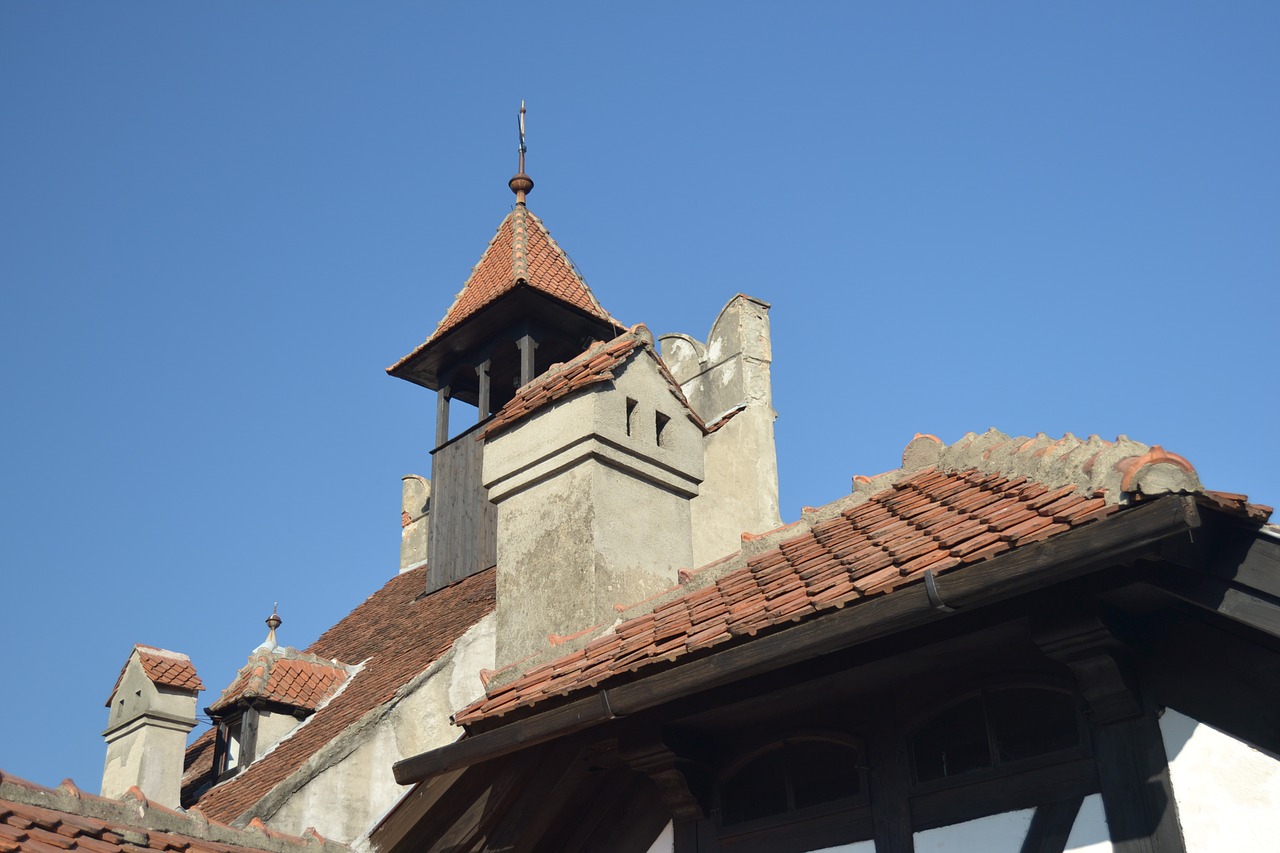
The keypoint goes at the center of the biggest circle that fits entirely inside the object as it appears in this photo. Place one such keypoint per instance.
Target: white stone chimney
(152, 710)
(593, 494)
(415, 508)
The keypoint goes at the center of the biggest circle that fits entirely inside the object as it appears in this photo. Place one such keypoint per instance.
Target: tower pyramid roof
(521, 254)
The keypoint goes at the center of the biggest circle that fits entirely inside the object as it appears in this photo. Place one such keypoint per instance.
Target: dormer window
(796, 775)
(995, 729)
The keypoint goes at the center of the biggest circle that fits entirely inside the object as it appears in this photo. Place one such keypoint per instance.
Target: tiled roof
(394, 635)
(521, 252)
(595, 365)
(286, 676)
(946, 509)
(34, 819)
(172, 669)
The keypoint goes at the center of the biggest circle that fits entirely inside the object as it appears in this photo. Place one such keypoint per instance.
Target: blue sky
(221, 222)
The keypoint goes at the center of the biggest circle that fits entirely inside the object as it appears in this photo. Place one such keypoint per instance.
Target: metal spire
(521, 184)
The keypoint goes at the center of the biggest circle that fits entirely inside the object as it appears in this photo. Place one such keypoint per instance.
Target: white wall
(1004, 833)
(666, 841)
(1228, 793)
(994, 834)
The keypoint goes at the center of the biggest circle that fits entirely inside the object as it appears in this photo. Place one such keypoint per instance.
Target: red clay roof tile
(171, 669)
(395, 635)
(522, 252)
(35, 819)
(882, 541)
(284, 676)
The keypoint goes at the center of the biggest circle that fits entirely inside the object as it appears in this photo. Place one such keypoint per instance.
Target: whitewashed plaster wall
(1228, 793)
(665, 842)
(354, 769)
(1004, 833)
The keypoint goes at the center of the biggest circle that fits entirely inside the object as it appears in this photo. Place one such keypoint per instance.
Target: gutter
(1071, 554)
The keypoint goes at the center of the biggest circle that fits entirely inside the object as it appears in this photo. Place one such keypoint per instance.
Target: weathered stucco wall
(593, 506)
(731, 371)
(1228, 793)
(146, 735)
(354, 770)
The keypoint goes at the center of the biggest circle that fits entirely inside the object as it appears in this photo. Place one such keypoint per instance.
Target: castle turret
(151, 710)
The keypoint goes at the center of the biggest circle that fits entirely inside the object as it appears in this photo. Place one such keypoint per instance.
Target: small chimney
(415, 506)
(152, 710)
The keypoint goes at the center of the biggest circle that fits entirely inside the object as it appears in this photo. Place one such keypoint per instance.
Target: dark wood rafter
(646, 752)
(1087, 646)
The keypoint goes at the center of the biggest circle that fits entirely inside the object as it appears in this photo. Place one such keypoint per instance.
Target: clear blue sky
(220, 222)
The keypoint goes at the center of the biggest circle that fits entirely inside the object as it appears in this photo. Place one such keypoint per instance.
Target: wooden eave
(1123, 537)
(473, 340)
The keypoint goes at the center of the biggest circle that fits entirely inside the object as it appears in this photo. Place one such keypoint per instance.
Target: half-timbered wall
(1228, 793)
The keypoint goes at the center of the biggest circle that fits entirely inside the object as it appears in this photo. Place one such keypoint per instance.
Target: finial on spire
(273, 622)
(521, 184)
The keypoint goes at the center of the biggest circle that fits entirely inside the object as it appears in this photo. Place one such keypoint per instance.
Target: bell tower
(523, 308)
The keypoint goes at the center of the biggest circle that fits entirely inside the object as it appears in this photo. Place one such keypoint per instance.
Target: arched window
(993, 729)
(790, 775)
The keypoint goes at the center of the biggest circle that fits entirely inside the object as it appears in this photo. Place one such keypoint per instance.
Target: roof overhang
(1139, 531)
(472, 340)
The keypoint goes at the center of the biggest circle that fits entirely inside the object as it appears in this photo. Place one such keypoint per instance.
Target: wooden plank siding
(463, 524)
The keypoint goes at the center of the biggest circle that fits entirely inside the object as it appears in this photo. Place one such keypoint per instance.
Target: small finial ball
(521, 183)
(274, 621)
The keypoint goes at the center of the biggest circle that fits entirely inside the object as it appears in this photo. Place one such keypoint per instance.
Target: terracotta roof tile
(522, 252)
(284, 676)
(171, 669)
(395, 635)
(594, 365)
(35, 819)
(947, 508)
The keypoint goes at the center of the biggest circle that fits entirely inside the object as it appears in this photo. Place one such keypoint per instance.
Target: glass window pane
(821, 771)
(952, 743)
(757, 790)
(1027, 722)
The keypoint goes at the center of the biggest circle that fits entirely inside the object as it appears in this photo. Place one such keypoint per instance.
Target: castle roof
(596, 364)
(35, 819)
(521, 254)
(284, 675)
(163, 667)
(946, 511)
(394, 636)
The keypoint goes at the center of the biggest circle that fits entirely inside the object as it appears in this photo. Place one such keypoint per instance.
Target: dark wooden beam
(646, 752)
(1212, 674)
(890, 783)
(482, 400)
(1069, 555)
(1051, 826)
(442, 415)
(1063, 780)
(542, 798)
(1258, 611)
(1133, 774)
(248, 737)
(1087, 646)
(527, 346)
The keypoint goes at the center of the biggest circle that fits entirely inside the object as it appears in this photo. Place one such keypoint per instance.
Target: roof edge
(135, 811)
